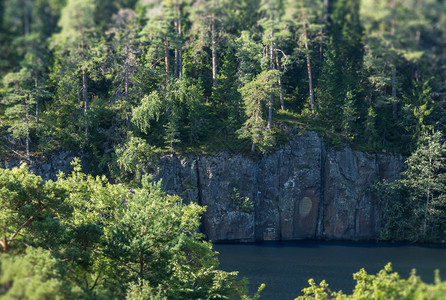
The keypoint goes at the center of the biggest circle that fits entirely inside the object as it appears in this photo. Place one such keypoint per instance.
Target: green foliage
(370, 127)
(243, 203)
(256, 295)
(87, 238)
(143, 290)
(249, 54)
(350, 115)
(256, 95)
(150, 110)
(157, 240)
(415, 204)
(122, 79)
(35, 275)
(136, 157)
(384, 285)
(320, 292)
(93, 199)
(28, 206)
(151, 68)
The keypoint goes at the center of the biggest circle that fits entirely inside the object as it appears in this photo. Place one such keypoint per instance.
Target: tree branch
(96, 280)
(22, 156)
(86, 281)
(20, 228)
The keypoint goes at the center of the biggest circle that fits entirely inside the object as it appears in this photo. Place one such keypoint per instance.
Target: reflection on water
(285, 267)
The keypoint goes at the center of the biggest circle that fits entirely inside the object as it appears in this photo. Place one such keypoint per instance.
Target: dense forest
(187, 75)
(126, 81)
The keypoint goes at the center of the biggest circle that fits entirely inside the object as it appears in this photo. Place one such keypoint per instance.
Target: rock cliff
(49, 168)
(305, 190)
(302, 191)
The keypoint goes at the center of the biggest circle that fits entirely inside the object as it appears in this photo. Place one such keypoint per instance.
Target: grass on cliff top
(286, 124)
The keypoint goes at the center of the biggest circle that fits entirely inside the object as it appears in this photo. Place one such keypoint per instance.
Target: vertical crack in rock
(320, 215)
(199, 197)
(279, 164)
(197, 168)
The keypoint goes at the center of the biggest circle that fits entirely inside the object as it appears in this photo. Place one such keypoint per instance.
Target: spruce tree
(343, 58)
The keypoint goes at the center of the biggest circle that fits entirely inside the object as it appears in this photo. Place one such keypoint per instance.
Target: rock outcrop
(49, 168)
(302, 191)
(305, 190)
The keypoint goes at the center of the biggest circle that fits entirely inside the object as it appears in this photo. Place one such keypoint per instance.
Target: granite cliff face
(51, 167)
(303, 190)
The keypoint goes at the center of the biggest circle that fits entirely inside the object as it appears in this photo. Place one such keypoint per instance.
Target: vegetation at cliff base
(415, 204)
(84, 238)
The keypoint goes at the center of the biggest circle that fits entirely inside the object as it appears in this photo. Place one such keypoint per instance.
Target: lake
(285, 267)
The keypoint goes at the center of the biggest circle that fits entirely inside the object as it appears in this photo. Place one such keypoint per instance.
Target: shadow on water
(285, 267)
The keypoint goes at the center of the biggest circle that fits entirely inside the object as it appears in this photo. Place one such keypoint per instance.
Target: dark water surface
(285, 267)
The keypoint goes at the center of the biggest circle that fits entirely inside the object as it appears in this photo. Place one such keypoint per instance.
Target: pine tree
(256, 96)
(124, 50)
(207, 19)
(18, 101)
(271, 14)
(163, 33)
(416, 203)
(25, 200)
(304, 17)
(73, 46)
(343, 57)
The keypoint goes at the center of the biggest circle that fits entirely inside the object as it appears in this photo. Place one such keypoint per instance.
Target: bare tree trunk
(271, 66)
(37, 101)
(310, 76)
(325, 22)
(176, 54)
(166, 59)
(427, 201)
(394, 104)
(27, 125)
(5, 244)
(85, 97)
(84, 73)
(279, 80)
(126, 88)
(84, 83)
(84, 89)
(26, 13)
(79, 100)
(214, 48)
(417, 64)
(178, 48)
(271, 97)
(326, 11)
(141, 265)
(393, 78)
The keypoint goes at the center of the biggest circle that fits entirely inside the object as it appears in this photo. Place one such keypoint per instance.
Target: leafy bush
(385, 285)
